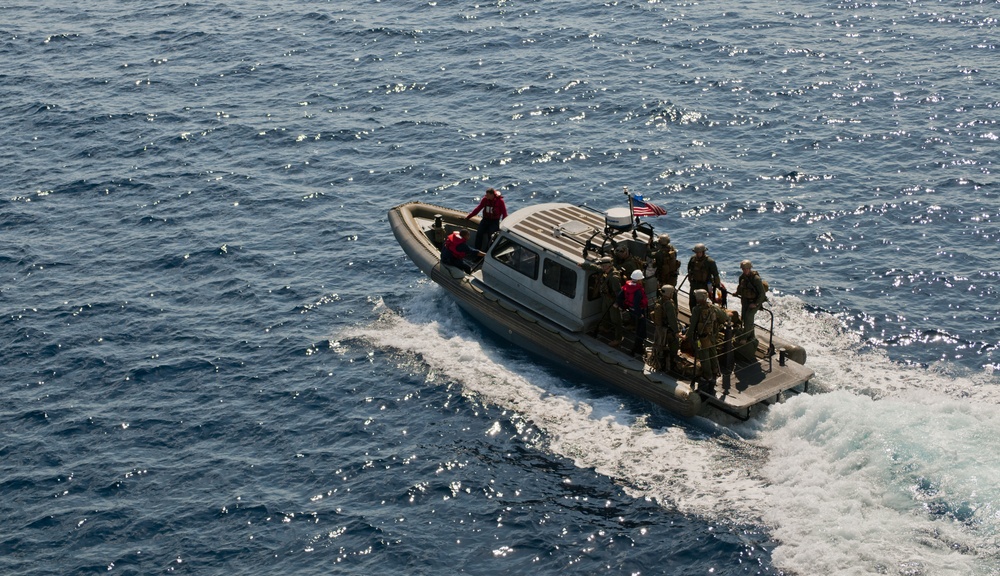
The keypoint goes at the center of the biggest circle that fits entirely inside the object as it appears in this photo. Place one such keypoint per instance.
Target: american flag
(642, 208)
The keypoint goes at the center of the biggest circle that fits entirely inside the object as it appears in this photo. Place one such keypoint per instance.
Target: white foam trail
(901, 485)
(887, 470)
(674, 464)
(833, 354)
(895, 470)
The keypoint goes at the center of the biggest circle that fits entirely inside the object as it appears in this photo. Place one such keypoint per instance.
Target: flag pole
(631, 212)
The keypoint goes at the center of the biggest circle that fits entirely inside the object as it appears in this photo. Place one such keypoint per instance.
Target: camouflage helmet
(699, 247)
(746, 264)
(664, 239)
(621, 249)
(701, 295)
(667, 291)
(605, 260)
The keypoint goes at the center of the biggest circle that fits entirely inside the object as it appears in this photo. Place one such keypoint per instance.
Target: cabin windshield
(517, 257)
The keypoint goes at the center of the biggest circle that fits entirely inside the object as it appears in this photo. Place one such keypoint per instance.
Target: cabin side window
(517, 257)
(559, 278)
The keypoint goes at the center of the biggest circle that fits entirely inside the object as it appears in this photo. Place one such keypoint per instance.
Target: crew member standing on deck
(703, 274)
(702, 337)
(633, 298)
(625, 261)
(494, 210)
(664, 258)
(610, 285)
(752, 294)
(666, 330)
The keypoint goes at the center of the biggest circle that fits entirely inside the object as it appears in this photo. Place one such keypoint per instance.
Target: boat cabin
(536, 258)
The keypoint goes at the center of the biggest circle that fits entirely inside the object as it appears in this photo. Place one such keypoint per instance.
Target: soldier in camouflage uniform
(752, 294)
(626, 262)
(702, 335)
(665, 341)
(664, 259)
(703, 273)
(610, 286)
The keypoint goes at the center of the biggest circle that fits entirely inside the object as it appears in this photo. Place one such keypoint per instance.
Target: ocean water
(216, 360)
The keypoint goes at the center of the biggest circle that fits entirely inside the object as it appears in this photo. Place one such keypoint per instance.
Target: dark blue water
(216, 360)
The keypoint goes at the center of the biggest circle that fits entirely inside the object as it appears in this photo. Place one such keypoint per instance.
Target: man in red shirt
(494, 210)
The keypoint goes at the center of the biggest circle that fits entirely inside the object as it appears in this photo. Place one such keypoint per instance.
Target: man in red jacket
(494, 210)
(633, 299)
(456, 248)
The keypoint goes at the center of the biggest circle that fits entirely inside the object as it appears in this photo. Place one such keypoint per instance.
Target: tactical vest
(746, 289)
(662, 313)
(666, 263)
(700, 270)
(608, 289)
(628, 265)
(705, 323)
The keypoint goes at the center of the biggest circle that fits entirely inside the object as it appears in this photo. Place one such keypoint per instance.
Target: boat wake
(886, 469)
(891, 469)
(673, 464)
